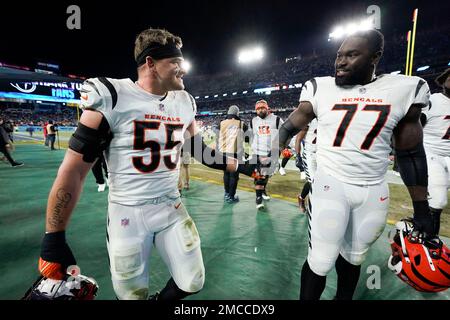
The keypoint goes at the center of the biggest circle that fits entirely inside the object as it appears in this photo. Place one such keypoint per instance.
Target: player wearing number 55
(140, 127)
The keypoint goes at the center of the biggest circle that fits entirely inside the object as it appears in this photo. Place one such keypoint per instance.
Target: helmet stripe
(422, 278)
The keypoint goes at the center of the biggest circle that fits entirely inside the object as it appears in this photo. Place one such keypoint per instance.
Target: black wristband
(54, 238)
(55, 249)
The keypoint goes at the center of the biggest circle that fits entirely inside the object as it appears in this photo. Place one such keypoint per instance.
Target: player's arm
(84, 147)
(297, 120)
(298, 140)
(210, 157)
(412, 164)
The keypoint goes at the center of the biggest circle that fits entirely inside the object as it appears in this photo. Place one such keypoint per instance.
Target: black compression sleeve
(90, 142)
(412, 165)
(286, 133)
(204, 154)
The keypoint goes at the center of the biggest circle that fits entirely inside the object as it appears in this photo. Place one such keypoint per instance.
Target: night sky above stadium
(212, 31)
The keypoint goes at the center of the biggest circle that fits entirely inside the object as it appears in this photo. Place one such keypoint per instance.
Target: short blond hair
(261, 104)
(149, 36)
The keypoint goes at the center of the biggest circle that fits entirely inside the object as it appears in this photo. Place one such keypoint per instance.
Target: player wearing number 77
(358, 113)
(141, 127)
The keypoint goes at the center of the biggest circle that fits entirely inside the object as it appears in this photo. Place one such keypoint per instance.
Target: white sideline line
(27, 137)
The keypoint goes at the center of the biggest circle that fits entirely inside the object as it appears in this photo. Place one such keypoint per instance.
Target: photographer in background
(51, 134)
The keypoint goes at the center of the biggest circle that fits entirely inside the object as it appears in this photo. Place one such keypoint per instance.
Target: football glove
(56, 256)
(287, 153)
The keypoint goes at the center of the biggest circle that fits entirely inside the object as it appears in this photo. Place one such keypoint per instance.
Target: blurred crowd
(431, 49)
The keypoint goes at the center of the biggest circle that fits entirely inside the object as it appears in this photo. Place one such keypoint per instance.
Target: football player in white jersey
(264, 129)
(436, 138)
(357, 114)
(140, 126)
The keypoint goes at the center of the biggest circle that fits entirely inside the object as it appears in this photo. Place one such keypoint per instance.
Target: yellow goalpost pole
(408, 41)
(416, 12)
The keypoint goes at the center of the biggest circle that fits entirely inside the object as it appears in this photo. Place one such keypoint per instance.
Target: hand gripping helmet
(72, 288)
(423, 264)
(287, 153)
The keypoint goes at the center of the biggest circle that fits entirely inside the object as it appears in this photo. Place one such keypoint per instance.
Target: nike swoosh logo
(383, 199)
(177, 205)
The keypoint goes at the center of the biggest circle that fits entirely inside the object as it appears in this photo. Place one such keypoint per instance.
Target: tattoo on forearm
(63, 199)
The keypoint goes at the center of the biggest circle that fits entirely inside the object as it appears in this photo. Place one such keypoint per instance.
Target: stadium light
(350, 28)
(423, 68)
(216, 95)
(186, 65)
(244, 92)
(250, 55)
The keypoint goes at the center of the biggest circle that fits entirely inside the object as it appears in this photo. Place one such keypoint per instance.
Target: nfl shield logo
(161, 107)
(124, 222)
(362, 90)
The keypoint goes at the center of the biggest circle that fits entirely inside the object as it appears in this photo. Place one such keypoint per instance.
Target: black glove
(298, 161)
(423, 220)
(56, 255)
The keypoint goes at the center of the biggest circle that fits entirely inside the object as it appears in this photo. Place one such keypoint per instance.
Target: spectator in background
(263, 125)
(5, 146)
(44, 130)
(9, 128)
(98, 169)
(51, 134)
(183, 180)
(231, 143)
(30, 129)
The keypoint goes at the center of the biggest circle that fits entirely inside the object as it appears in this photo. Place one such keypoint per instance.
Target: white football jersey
(265, 131)
(436, 133)
(143, 156)
(355, 123)
(311, 137)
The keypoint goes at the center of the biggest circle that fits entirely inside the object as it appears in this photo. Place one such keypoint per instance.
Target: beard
(262, 115)
(354, 77)
(174, 84)
(447, 91)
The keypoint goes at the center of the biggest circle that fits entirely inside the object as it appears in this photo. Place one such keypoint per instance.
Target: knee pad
(353, 258)
(319, 265)
(127, 271)
(126, 260)
(195, 284)
(189, 241)
(191, 281)
(126, 291)
(187, 235)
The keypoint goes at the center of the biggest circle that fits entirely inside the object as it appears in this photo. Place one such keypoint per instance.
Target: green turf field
(247, 255)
